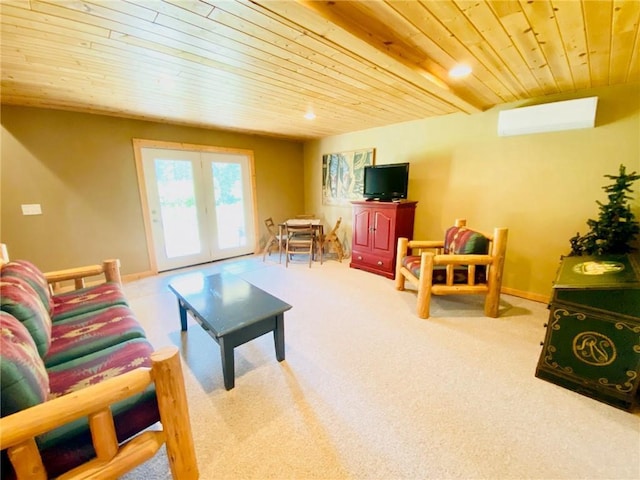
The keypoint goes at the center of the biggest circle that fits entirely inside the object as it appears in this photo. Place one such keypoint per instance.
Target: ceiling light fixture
(460, 71)
(310, 115)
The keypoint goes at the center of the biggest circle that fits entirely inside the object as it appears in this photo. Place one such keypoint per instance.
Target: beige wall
(543, 187)
(81, 169)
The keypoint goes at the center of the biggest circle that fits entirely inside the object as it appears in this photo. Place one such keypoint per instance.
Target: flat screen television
(386, 182)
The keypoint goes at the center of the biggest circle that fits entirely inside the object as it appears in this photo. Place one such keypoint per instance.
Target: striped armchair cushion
(23, 378)
(462, 241)
(412, 263)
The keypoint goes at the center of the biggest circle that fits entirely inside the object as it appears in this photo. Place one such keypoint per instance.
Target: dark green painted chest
(592, 342)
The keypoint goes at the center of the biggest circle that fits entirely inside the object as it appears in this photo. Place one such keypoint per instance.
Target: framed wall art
(343, 175)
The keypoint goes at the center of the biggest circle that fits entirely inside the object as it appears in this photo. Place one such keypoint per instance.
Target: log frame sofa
(99, 405)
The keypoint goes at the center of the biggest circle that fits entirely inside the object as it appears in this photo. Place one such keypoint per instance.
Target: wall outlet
(31, 209)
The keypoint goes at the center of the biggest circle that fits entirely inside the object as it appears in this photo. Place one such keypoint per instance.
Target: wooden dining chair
(332, 241)
(301, 239)
(275, 239)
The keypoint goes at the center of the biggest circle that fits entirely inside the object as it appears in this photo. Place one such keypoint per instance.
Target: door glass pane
(178, 207)
(229, 203)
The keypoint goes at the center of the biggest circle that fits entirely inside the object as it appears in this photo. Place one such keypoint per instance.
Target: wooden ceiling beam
(322, 20)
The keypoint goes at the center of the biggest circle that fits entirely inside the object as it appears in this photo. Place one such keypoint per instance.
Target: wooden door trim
(140, 143)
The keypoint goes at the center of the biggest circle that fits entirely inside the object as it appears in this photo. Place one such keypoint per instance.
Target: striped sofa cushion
(90, 332)
(19, 299)
(32, 275)
(23, 378)
(70, 445)
(96, 367)
(89, 299)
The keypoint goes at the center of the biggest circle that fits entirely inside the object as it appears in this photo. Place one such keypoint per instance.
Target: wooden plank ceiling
(259, 66)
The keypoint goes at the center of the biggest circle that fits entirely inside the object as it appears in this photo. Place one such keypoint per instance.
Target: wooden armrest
(73, 273)
(41, 418)
(417, 247)
(426, 244)
(18, 431)
(471, 259)
(109, 268)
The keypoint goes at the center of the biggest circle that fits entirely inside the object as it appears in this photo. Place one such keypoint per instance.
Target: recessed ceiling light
(310, 115)
(460, 71)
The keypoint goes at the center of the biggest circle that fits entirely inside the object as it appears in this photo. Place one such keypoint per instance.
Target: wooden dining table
(315, 223)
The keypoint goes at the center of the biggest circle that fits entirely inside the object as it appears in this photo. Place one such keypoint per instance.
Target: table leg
(228, 366)
(278, 337)
(183, 316)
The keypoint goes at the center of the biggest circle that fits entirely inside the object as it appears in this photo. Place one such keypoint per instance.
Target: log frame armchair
(451, 266)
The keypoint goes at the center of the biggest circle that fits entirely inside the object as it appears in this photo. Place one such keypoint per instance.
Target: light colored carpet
(370, 391)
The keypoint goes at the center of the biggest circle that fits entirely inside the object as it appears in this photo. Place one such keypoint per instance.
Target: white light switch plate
(31, 209)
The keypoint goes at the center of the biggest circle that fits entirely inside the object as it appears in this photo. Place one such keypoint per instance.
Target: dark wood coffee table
(232, 311)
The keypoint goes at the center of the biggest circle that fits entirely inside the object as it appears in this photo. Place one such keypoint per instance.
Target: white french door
(200, 205)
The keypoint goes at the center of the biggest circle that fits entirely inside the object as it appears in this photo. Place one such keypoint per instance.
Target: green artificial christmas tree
(616, 227)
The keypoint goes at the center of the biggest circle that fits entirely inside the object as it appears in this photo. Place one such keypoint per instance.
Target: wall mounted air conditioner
(548, 117)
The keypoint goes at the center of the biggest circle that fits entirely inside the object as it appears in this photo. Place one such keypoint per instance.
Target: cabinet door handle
(380, 262)
(359, 257)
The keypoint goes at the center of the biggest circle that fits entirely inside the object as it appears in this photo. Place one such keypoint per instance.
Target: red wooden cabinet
(376, 228)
